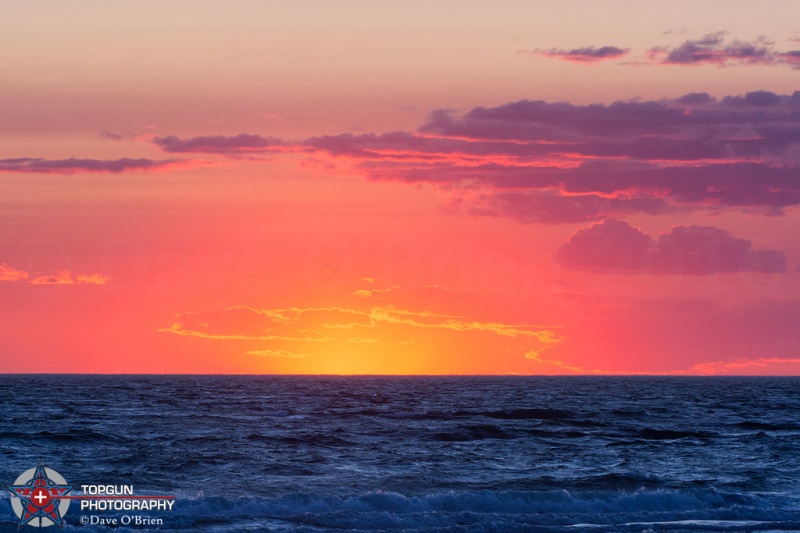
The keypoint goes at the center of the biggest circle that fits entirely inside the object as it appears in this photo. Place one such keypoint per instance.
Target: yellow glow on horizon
(371, 339)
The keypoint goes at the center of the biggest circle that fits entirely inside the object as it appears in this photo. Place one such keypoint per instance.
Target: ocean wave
(529, 414)
(472, 432)
(755, 425)
(670, 434)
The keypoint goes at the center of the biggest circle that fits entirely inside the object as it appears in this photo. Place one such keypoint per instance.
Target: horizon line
(600, 375)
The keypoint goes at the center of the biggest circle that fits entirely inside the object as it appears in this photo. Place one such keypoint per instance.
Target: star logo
(37, 497)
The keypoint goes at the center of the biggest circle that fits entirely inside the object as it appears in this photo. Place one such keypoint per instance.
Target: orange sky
(370, 187)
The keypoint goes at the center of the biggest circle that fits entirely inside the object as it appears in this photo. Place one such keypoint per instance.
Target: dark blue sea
(455, 454)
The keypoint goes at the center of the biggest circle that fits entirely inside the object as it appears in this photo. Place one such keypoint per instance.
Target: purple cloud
(792, 58)
(586, 55)
(613, 245)
(74, 165)
(712, 49)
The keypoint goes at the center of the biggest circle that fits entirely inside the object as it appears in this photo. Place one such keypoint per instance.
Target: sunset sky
(415, 187)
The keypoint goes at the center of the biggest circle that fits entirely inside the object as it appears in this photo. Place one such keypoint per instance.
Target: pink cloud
(64, 277)
(741, 366)
(613, 245)
(8, 273)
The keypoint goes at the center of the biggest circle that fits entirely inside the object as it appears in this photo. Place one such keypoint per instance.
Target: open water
(460, 454)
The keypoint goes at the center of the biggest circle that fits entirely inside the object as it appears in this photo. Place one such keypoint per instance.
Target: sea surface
(459, 454)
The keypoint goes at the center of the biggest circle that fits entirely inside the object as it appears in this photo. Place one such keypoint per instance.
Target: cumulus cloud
(584, 55)
(73, 165)
(614, 245)
(557, 162)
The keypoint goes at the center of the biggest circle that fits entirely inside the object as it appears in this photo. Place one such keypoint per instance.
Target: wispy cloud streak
(587, 55)
(64, 277)
(713, 49)
(73, 165)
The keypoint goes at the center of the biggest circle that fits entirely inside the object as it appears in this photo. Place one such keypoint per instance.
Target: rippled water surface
(256, 453)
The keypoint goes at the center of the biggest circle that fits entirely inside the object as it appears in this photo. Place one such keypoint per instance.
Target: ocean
(424, 454)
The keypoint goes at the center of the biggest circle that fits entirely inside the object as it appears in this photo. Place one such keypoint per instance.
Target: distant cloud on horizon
(615, 246)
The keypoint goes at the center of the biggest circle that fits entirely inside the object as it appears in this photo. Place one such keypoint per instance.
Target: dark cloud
(713, 49)
(74, 165)
(613, 245)
(694, 116)
(585, 55)
(219, 144)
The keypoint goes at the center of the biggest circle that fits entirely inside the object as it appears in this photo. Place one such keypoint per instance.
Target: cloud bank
(557, 162)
